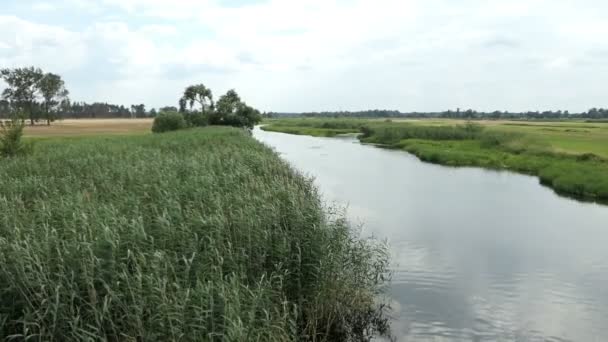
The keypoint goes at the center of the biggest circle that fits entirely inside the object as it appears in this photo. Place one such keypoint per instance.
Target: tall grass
(393, 133)
(187, 236)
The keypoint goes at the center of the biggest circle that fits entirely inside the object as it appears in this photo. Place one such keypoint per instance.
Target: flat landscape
(89, 127)
(571, 157)
(574, 137)
(563, 136)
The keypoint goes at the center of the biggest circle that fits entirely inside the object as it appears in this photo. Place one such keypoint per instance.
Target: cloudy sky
(284, 55)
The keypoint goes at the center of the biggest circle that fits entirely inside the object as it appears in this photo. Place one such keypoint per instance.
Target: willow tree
(198, 94)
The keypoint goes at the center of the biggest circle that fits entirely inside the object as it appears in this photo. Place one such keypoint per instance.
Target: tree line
(594, 113)
(37, 95)
(33, 93)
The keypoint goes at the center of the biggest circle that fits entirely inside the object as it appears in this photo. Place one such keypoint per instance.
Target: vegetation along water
(570, 157)
(201, 234)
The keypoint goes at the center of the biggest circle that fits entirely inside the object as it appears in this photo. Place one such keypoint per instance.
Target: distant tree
(247, 116)
(168, 109)
(153, 112)
(138, 111)
(197, 94)
(230, 110)
(53, 92)
(22, 88)
(182, 105)
(226, 107)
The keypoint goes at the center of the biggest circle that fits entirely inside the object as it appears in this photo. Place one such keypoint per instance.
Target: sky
(317, 55)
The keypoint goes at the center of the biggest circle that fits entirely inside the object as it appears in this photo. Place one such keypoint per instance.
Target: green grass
(315, 127)
(570, 157)
(571, 138)
(195, 235)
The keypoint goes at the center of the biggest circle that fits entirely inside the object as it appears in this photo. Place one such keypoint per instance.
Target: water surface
(478, 255)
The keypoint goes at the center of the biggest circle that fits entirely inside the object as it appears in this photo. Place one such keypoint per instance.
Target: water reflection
(478, 255)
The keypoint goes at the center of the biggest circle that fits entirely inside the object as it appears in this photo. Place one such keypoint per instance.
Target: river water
(477, 255)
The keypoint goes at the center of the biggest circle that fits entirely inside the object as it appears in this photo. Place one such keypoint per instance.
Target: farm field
(89, 127)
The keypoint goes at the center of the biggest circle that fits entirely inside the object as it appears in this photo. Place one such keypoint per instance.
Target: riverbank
(568, 157)
(182, 235)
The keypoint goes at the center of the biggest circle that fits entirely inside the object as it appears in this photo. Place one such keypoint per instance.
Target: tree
(197, 94)
(230, 110)
(168, 109)
(53, 92)
(22, 88)
(138, 111)
(228, 102)
(226, 107)
(182, 105)
(153, 112)
(247, 116)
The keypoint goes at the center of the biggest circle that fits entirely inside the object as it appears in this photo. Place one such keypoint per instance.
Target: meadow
(198, 235)
(570, 156)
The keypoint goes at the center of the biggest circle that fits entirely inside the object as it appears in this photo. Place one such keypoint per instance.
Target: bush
(197, 119)
(168, 121)
(10, 139)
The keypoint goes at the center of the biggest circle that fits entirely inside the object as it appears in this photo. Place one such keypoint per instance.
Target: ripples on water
(478, 255)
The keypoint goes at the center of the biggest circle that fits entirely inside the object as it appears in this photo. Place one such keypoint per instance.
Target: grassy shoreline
(576, 173)
(203, 234)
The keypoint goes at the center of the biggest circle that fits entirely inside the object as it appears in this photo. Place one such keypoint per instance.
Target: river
(477, 255)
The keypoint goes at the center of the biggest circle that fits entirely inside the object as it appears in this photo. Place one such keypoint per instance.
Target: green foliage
(52, 89)
(23, 88)
(168, 121)
(196, 119)
(225, 109)
(11, 144)
(393, 133)
(231, 111)
(197, 94)
(524, 149)
(199, 235)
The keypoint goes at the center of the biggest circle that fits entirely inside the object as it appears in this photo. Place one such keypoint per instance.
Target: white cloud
(405, 54)
(37, 44)
(43, 7)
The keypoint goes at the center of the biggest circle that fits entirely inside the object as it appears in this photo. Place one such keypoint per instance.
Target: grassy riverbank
(196, 235)
(570, 157)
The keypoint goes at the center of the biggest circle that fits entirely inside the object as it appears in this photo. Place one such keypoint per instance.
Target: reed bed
(197, 235)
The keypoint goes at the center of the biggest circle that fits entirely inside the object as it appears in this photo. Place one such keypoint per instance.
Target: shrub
(10, 139)
(197, 119)
(168, 121)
